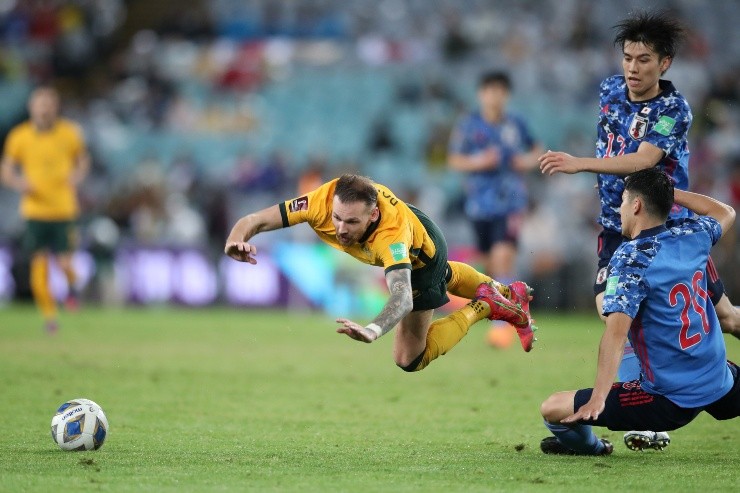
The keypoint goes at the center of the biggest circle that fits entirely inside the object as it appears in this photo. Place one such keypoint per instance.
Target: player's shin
(579, 437)
(445, 333)
(40, 287)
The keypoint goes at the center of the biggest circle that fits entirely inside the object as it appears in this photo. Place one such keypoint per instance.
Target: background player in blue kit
(643, 122)
(656, 294)
(493, 147)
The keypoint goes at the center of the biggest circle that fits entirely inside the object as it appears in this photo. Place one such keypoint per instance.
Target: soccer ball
(79, 424)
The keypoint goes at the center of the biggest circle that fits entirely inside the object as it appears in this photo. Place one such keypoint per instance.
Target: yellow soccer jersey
(47, 160)
(397, 240)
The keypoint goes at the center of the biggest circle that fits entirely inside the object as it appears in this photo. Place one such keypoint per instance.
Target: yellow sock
(40, 287)
(446, 332)
(466, 279)
(71, 276)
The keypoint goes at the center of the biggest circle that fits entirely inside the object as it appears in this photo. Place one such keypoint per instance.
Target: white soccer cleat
(641, 440)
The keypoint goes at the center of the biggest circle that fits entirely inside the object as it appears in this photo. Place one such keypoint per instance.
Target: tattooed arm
(398, 306)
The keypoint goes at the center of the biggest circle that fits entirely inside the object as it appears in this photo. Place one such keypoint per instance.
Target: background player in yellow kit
(45, 159)
(367, 221)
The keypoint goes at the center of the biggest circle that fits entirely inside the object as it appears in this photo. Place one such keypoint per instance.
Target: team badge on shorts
(638, 127)
(601, 276)
(299, 204)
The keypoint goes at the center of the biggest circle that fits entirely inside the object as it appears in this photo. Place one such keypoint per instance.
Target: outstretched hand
(241, 251)
(553, 162)
(356, 331)
(589, 411)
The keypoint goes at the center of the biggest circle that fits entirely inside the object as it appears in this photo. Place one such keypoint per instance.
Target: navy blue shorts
(499, 229)
(608, 243)
(628, 407)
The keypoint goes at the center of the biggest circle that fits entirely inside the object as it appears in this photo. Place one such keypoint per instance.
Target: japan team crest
(601, 276)
(638, 127)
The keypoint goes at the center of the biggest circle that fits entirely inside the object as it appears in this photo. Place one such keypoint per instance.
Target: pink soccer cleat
(72, 303)
(510, 311)
(521, 293)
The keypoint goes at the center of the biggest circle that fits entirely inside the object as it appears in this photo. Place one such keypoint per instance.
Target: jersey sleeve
(711, 226)
(13, 145)
(605, 90)
(603, 111)
(697, 223)
(394, 252)
(625, 283)
(671, 127)
(306, 208)
(458, 143)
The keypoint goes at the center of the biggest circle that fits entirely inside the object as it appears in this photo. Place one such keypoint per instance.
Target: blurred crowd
(197, 112)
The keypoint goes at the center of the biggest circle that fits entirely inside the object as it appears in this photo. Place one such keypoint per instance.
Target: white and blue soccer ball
(79, 424)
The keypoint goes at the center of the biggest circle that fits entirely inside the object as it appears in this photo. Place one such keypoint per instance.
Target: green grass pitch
(246, 400)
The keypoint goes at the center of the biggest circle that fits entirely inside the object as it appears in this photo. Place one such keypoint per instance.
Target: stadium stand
(221, 98)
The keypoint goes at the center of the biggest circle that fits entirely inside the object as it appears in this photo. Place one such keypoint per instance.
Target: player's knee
(408, 368)
(410, 365)
(550, 409)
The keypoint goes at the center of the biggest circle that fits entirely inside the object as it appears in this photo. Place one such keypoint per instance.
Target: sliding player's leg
(570, 439)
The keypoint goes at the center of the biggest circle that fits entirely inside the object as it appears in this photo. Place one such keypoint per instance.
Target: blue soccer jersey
(658, 279)
(500, 191)
(663, 121)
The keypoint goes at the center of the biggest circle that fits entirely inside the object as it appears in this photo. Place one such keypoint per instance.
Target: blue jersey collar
(654, 231)
(666, 87)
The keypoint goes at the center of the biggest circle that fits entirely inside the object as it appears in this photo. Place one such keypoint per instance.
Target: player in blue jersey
(656, 294)
(493, 147)
(643, 122)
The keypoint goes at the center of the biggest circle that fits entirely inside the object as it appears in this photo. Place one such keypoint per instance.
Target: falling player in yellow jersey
(367, 221)
(45, 159)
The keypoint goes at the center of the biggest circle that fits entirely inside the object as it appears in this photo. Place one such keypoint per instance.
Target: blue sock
(577, 437)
